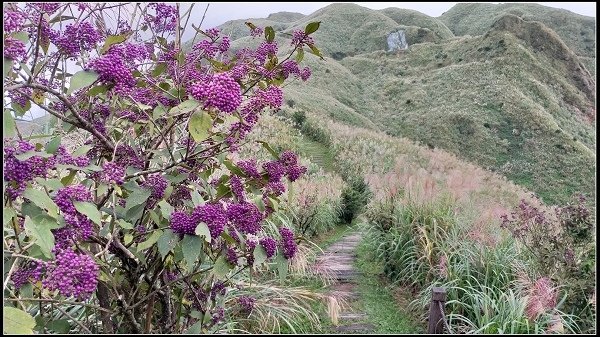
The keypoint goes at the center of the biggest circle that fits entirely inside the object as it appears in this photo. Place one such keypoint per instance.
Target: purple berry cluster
(32, 272)
(113, 173)
(288, 244)
(166, 17)
(249, 168)
(18, 172)
(14, 49)
(182, 223)
(246, 217)
(237, 188)
(221, 92)
(78, 226)
(13, 21)
(246, 303)
(300, 38)
(213, 215)
(270, 246)
(112, 68)
(78, 38)
(72, 274)
(157, 185)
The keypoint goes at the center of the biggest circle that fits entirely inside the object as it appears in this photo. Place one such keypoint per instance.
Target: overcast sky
(221, 12)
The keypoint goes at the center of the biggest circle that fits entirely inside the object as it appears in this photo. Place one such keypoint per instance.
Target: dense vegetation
(431, 153)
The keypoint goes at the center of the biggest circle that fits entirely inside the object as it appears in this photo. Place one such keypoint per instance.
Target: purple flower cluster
(78, 226)
(126, 156)
(288, 244)
(130, 52)
(225, 44)
(265, 49)
(77, 38)
(270, 246)
(166, 17)
(275, 170)
(112, 69)
(182, 223)
(257, 31)
(213, 33)
(14, 49)
(113, 173)
(213, 215)
(249, 168)
(237, 188)
(300, 38)
(246, 217)
(231, 256)
(221, 92)
(31, 272)
(64, 157)
(13, 21)
(17, 173)
(290, 161)
(246, 303)
(157, 185)
(72, 274)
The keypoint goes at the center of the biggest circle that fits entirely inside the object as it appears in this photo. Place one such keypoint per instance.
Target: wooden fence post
(436, 317)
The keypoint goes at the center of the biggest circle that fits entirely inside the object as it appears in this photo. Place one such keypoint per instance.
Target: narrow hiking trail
(338, 261)
(370, 305)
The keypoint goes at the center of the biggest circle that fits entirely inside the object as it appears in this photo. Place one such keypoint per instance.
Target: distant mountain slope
(577, 31)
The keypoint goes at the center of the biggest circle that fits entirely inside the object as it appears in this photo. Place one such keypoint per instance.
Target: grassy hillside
(577, 31)
(501, 100)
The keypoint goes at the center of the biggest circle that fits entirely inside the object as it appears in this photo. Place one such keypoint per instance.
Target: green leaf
(8, 124)
(16, 321)
(184, 107)
(299, 55)
(7, 66)
(282, 266)
(196, 198)
(42, 200)
(202, 230)
(191, 246)
(68, 179)
(61, 326)
(151, 240)
(159, 69)
(312, 27)
(167, 242)
(269, 34)
(166, 209)
(90, 210)
(52, 184)
(52, 146)
(268, 148)
(97, 90)
(195, 329)
(114, 39)
(233, 168)
(82, 150)
(22, 36)
(42, 235)
(250, 25)
(137, 197)
(7, 214)
(125, 224)
(221, 267)
(316, 51)
(260, 255)
(29, 154)
(200, 125)
(82, 79)
(20, 110)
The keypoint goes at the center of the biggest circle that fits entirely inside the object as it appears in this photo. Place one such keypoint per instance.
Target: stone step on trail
(337, 261)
